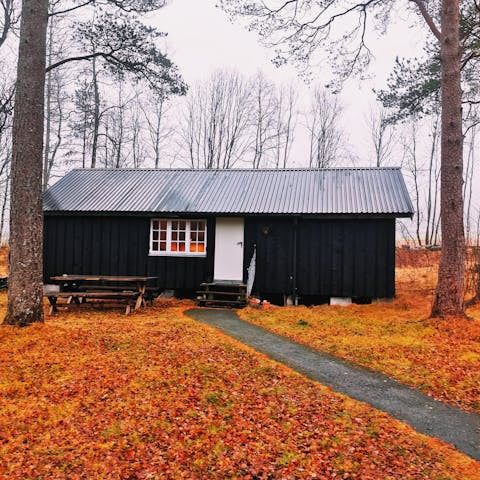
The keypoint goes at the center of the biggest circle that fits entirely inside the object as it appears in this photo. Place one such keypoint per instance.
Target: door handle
(240, 243)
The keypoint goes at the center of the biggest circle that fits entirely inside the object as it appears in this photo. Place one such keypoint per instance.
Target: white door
(229, 249)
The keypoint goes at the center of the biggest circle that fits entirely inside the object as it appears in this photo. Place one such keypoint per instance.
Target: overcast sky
(201, 39)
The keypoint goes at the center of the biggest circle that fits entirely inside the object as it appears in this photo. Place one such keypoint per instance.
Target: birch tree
(156, 110)
(286, 123)
(322, 121)
(263, 113)
(214, 131)
(381, 135)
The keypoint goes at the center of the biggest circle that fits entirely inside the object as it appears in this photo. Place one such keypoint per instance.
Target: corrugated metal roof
(265, 191)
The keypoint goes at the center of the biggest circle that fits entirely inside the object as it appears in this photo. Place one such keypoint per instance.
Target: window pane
(179, 242)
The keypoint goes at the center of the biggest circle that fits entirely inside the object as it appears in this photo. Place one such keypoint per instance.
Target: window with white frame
(178, 237)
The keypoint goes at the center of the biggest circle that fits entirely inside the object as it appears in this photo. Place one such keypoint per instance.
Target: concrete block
(50, 288)
(341, 301)
(167, 294)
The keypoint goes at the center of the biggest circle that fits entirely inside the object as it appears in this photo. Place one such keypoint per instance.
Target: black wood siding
(344, 258)
(274, 243)
(86, 245)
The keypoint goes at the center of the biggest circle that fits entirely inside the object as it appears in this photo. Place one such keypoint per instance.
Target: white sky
(201, 39)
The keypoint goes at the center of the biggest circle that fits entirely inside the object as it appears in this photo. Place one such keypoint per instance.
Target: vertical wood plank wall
(116, 245)
(345, 258)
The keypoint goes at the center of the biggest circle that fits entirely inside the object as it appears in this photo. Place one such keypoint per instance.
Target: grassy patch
(439, 357)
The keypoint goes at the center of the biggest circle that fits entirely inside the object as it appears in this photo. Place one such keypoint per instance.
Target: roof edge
(292, 169)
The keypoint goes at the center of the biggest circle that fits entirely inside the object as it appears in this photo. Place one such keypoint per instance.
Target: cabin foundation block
(340, 301)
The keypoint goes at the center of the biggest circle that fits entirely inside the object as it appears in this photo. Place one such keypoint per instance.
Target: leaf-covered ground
(101, 395)
(440, 357)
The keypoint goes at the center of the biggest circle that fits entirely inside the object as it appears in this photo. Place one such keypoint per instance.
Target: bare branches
(302, 31)
(71, 9)
(216, 121)
(428, 19)
(324, 131)
(6, 105)
(8, 19)
(136, 6)
(382, 137)
(232, 120)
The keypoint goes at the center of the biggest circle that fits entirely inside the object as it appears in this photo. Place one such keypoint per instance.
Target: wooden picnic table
(76, 287)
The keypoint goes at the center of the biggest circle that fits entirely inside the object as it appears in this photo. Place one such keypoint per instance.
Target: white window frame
(168, 252)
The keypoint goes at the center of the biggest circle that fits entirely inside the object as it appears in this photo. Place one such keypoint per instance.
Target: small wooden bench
(128, 298)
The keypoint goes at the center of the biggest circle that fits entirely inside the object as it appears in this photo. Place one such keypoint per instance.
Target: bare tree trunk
(290, 123)
(84, 139)
(469, 181)
(4, 208)
(96, 115)
(215, 131)
(54, 111)
(323, 125)
(449, 294)
(410, 148)
(25, 292)
(8, 19)
(431, 208)
(382, 136)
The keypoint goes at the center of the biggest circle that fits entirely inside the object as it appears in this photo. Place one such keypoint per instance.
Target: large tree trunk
(449, 294)
(26, 217)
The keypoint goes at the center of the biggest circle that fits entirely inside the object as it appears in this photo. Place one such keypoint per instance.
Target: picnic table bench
(131, 291)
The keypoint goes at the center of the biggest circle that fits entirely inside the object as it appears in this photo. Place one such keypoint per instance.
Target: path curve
(423, 413)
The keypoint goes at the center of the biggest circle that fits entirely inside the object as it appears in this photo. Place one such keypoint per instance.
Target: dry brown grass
(101, 395)
(440, 357)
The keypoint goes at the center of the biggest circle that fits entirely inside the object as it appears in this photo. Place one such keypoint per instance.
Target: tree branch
(68, 10)
(7, 7)
(428, 19)
(79, 59)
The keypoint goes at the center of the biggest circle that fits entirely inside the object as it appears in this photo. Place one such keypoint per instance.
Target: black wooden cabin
(316, 233)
